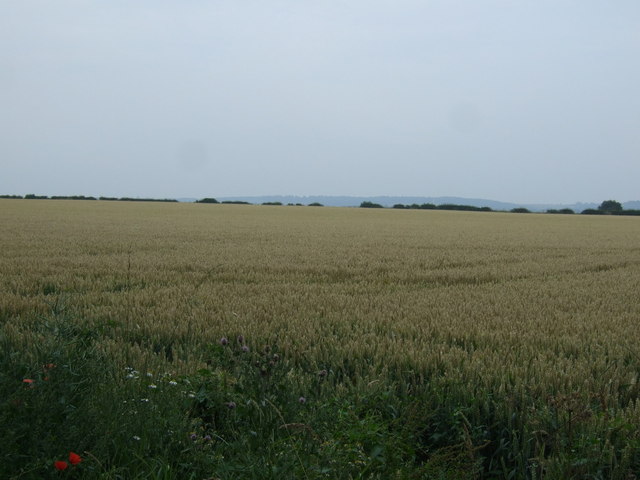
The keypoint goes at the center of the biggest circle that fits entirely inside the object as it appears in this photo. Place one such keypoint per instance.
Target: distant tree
(130, 199)
(399, 205)
(316, 204)
(466, 208)
(520, 210)
(271, 203)
(592, 211)
(561, 211)
(370, 205)
(207, 200)
(610, 206)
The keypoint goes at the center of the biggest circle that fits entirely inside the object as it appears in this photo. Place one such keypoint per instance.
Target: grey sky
(523, 101)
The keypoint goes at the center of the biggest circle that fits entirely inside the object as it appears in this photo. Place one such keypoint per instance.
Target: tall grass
(407, 344)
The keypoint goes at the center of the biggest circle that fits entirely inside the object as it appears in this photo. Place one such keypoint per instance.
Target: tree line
(608, 207)
(31, 196)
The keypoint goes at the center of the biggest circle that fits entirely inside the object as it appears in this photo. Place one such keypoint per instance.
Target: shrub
(370, 205)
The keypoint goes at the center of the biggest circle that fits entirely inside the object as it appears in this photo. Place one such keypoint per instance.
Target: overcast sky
(522, 101)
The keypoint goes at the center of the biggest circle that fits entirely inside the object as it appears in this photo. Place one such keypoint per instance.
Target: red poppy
(74, 458)
(60, 465)
(48, 366)
(28, 381)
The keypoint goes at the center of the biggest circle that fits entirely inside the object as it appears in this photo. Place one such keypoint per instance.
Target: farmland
(435, 344)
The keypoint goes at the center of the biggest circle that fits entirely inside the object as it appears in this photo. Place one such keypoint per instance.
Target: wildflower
(151, 385)
(173, 382)
(145, 400)
(245, 349)
(302, 400)
(60, 465)
(240, 339)
(48, 366)
(224, 341)
(193, 436)
(28, 381)
(231, 405)
(74, 458)
(276, 357)
(136, 438)
(207, 438)
(322, 373)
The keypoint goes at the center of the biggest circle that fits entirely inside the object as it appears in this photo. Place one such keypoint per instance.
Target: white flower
(149, 374)
(172, 382)
(152, 386)
(136, 438)
(145, 400)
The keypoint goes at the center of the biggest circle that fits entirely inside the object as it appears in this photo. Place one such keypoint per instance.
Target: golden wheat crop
(546, 304)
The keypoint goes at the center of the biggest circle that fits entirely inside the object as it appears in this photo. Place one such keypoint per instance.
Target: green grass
(253, 413)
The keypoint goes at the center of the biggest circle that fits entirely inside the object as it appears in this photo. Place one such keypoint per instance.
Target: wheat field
(501, 304)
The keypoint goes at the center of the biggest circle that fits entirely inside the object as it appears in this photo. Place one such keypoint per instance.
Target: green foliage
(370, 205)
(520, 210)
(72, 197)
(610, 206)
(130, 199)
(316, 204)
(564, 211)
(255, 413)
(207, 200)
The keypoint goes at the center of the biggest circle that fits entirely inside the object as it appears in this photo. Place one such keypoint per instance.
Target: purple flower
(193, 436)
(245, 349)
(240, 339)
(322, 373)
(224, 341)
(231, 405)
(302, 400)
(207, 438)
